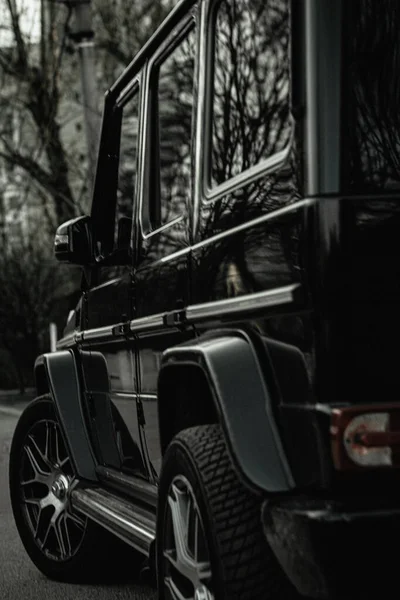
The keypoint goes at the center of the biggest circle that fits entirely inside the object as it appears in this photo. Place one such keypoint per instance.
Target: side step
(134, 525)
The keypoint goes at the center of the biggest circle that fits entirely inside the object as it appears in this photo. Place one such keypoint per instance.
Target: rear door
(162, 279)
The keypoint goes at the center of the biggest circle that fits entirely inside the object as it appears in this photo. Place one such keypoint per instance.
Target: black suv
(225, 399)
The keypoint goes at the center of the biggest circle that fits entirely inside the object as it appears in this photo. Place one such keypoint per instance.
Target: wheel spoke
(78, 521)
(174, 590)
(37, 463)
(62, 535)
(196, 537)
(56, 531)
(28, 481)
(46, 535)
(204, 571)
(33, 501)
(47, 451)
(187, 553)
(179, 513)
(39, 523)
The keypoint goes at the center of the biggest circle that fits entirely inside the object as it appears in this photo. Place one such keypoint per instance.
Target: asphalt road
(19, 578)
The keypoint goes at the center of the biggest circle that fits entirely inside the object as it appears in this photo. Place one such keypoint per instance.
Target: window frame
(134, 87)
(103, 210)
(188, 24)
(211, 193)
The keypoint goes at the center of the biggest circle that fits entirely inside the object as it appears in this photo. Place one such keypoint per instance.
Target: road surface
(19, 578)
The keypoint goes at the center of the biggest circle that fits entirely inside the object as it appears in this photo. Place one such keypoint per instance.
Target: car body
(240, 268)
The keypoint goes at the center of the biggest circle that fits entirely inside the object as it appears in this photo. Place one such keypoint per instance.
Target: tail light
(366, 436)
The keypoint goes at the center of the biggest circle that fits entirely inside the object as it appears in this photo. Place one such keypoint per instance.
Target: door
(162, 279)
(110, 368)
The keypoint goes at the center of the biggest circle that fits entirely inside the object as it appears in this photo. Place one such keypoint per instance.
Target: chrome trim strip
(132, 524)
(124, 395)
(265, 167)
(66, 341)
(132, 396)
(201, 140)
(105, 284)
(275, 214)
(242, 304)
(148, 396)
(139, 488)
(311, 121)
(129, 91)
(162, 228)
(147, 323)
(98, 333)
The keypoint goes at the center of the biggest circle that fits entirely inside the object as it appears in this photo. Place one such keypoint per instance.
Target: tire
(241, 564)
(73, 549)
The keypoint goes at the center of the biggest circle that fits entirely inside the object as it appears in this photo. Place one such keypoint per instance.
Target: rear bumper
(331, 553)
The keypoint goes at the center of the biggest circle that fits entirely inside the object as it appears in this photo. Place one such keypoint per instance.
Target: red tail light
(366, 436)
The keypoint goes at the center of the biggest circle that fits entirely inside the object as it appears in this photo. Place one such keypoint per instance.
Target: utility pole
(81, 32)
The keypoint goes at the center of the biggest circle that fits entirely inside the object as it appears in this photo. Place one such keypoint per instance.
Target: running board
(134, 525)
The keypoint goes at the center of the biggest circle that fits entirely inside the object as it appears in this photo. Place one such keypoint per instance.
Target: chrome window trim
(127, 93)
(206, 192)
(275, 214)
(265, 167)
(167, 47)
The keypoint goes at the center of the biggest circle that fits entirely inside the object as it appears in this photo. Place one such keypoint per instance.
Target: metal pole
(84, 36)
(82, 33)
(90, 106)
(53, 337)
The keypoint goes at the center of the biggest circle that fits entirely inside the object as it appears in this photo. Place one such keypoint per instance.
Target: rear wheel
(62, 543)
(210, 544)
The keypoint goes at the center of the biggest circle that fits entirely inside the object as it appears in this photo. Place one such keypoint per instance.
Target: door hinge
(121, 329)
(174, 318)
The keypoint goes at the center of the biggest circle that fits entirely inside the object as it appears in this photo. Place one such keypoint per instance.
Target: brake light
(366, 436)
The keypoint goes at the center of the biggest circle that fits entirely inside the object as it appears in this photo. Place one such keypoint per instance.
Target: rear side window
(172, 109)
(251, 96)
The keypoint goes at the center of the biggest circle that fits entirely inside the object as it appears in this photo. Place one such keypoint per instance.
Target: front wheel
(62, 543)
(210, 544)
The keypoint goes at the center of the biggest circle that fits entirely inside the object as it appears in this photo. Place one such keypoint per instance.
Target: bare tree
(31, 91)
(35, 291)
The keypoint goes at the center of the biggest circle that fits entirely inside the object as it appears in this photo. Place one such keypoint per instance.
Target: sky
(29, 21)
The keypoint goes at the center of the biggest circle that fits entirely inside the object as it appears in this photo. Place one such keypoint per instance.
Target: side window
(251, 99)
(172, 109)
(127, 169)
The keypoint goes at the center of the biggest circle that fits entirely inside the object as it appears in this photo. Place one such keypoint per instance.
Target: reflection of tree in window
(127, 159)
(371, 128)
(251, 113)
(175, 103)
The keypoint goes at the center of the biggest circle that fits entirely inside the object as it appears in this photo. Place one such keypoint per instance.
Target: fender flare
(242, 398)
(62, 374)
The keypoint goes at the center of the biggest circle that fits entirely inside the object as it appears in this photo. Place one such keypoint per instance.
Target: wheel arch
(57, 374)
(220, 368)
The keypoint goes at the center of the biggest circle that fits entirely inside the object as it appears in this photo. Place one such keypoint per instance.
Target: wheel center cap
(60, 487)
(202, 593)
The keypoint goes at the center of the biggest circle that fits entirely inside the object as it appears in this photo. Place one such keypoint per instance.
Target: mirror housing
(73, 242)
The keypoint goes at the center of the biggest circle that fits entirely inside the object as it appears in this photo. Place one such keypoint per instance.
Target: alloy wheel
(187, 568)
(46, 478)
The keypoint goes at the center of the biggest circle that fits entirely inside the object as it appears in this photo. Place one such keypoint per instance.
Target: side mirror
(73, 242)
